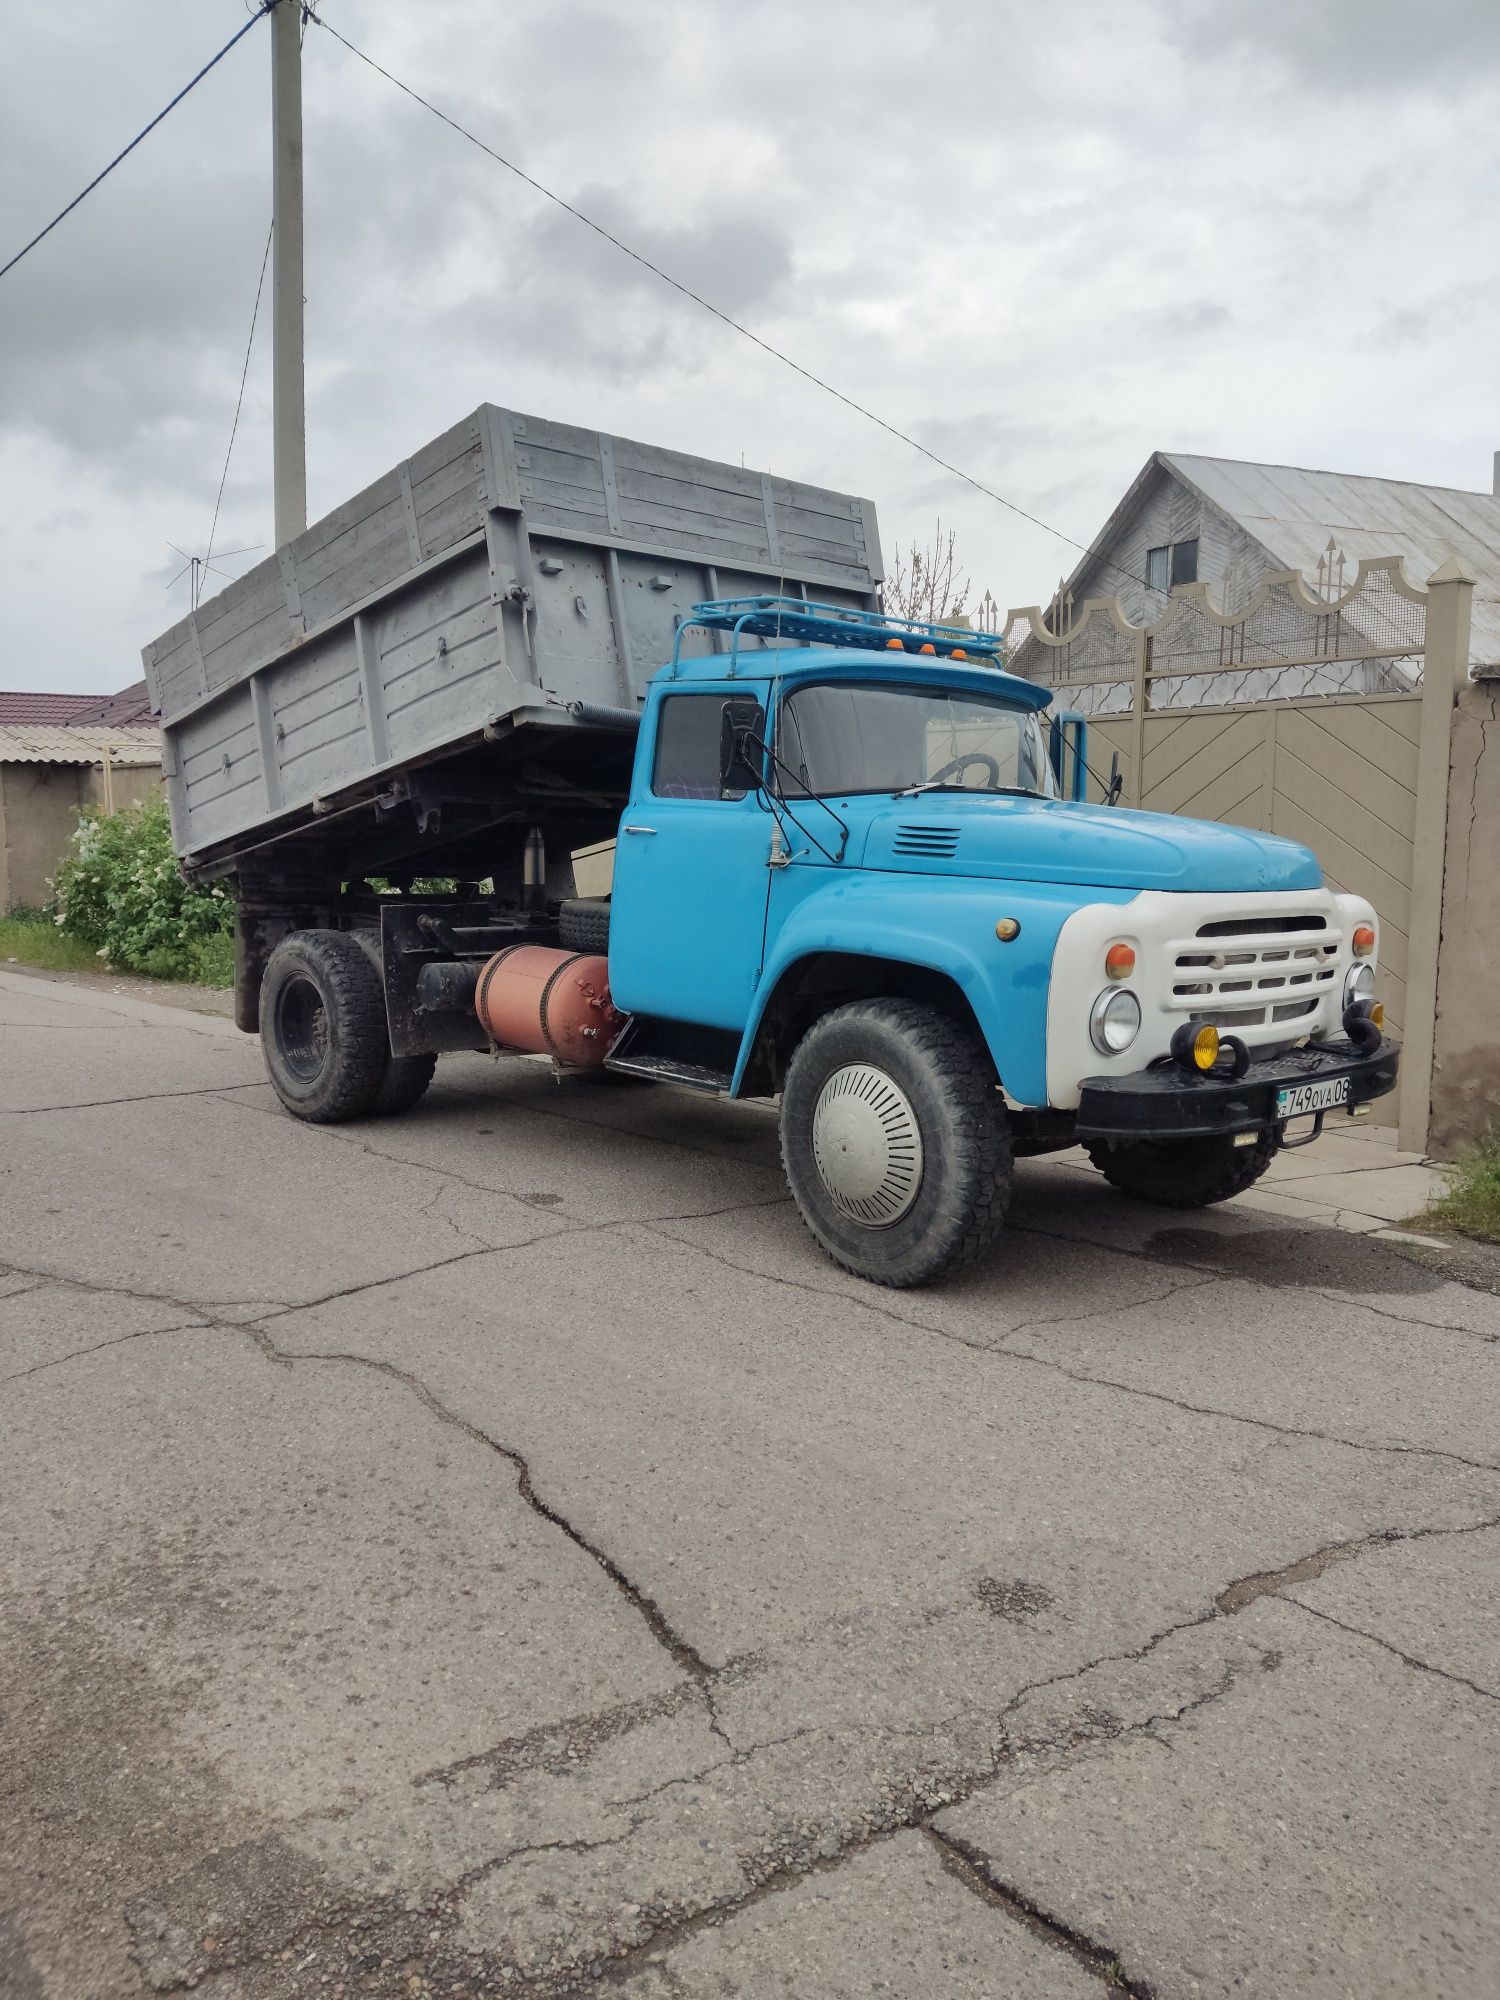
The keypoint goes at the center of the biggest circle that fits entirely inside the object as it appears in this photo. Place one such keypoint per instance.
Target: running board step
(663, 1069)
(675, 1052)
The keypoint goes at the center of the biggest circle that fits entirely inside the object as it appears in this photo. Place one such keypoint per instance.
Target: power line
(725, 319)
(264, 8)
(240, 399)
(737, 326)
(707, 305)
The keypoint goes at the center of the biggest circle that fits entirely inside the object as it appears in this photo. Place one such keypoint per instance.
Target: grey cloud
(1043, 240)
(1188, 319)
(739, 259)
(1382, 47)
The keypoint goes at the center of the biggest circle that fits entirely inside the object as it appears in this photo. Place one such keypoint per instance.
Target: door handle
(638, 829)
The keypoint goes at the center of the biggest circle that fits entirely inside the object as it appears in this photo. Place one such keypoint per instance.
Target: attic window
(1173, 563)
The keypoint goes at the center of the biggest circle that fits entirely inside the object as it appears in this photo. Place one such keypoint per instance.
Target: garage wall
(39, 808)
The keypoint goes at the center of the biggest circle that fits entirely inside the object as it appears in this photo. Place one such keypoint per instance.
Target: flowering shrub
(121, 891)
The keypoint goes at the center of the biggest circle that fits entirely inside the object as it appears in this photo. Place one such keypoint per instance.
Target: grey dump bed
(509, 568)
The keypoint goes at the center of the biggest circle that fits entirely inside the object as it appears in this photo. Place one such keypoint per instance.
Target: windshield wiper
(976, 791)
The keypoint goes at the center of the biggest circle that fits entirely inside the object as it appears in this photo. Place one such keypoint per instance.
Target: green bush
(120, 891)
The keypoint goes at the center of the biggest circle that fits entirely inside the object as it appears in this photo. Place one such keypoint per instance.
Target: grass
(31, 938)
(1471, 1205)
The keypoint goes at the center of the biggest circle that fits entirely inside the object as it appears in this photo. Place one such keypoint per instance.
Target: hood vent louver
(917, 838)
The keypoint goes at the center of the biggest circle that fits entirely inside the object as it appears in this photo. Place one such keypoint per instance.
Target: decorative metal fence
(1322, 715)
(1285, 643)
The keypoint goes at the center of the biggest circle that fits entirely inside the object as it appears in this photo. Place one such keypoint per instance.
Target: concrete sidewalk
(1355, 1178)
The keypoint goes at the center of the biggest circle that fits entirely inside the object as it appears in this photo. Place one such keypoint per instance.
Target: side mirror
(740, 768)
(1068, 745)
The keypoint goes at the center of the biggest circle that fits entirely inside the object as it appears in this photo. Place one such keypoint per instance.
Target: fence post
(1141, 683)
(1450, 596)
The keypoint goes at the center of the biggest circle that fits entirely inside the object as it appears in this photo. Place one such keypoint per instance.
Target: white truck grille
(1267, 966)
(1255, 972)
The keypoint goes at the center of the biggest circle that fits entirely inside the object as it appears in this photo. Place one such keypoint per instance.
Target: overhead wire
(240, 399)
(598, 228)
(1087, 549)
(145, 131)
(707, 305)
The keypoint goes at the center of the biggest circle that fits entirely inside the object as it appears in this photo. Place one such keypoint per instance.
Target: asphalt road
(491, 1551)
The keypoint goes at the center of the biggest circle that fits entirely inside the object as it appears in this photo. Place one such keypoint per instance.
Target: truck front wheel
(322, 1026)
(894, 1141)
(1183, 1173)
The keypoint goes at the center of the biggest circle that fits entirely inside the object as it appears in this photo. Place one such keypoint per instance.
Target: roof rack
(809, 624)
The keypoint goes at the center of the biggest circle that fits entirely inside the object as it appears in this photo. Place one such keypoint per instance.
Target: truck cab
(848, 874)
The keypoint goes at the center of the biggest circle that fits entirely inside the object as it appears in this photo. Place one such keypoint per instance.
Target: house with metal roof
(1231, 523)
(58, 754)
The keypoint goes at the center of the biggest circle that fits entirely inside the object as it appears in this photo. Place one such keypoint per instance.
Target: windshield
(840, 739)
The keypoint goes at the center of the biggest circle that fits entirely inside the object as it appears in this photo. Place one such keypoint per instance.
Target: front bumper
(1167, 1103)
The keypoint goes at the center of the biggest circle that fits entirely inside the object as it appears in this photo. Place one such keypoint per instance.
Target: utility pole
(288, 408)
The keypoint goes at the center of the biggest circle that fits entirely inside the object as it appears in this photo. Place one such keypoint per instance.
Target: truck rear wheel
(1183, 1173)
(322, 1026)
(404, 1083)
(894, 1141)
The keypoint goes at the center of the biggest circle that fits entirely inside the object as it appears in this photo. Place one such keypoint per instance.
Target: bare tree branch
(925, 582)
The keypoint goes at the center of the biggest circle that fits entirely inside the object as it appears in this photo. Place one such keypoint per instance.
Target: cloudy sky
(1045, 238)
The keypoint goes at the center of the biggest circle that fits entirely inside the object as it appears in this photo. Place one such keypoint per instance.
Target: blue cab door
(688, 912)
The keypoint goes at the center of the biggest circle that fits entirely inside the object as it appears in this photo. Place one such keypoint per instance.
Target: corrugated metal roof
(21, 744)
(1293, 512)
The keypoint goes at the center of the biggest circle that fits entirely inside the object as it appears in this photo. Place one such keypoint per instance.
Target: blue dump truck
(853, 865)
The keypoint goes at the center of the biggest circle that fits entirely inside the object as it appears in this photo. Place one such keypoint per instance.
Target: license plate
(1299, 1098)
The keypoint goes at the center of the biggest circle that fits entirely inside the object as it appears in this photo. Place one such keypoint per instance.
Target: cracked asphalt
(492, 1552)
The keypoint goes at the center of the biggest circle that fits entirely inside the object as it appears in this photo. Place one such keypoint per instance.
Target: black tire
(583, 924)
(1183, 1173)
(404, 1083)
(322, 1026)
(963, 1181)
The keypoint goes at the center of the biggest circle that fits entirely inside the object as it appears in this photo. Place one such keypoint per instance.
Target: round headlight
(1359, 984)
(1114, 1021)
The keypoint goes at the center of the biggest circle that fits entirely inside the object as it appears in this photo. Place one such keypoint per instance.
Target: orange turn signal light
(1363, 940)
(1377, 1014)
(1119, 961)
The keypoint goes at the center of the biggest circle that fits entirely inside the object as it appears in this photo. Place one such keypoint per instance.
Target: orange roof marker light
(958, 653)
(894, 646)
(928, 648)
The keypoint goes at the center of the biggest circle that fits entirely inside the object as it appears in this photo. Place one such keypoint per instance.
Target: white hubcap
(867, 1145)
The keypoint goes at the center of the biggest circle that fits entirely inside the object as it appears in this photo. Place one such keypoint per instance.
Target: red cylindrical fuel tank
(549, 1003)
